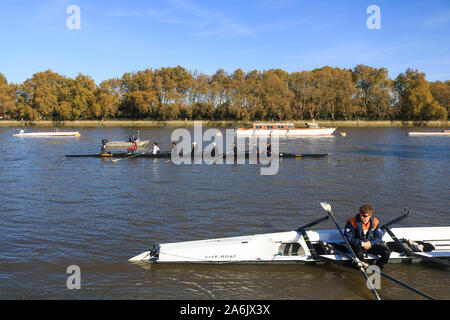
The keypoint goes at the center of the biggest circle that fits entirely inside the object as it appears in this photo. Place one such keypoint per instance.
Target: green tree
(48, 93)
(140, 94)
(107, 99)
(8, 98)
(334, 92)
(374, 92)
(276, 95)
(441, 93)
(415, 101)
(254, 95)
(83, 99)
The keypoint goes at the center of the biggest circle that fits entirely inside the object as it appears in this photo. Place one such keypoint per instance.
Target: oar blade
(326, 206)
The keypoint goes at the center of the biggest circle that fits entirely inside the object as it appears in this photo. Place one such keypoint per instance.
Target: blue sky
(125, 36)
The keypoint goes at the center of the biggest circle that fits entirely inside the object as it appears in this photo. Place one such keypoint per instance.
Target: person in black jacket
(269, 149)
(104, 147)
(365, 236)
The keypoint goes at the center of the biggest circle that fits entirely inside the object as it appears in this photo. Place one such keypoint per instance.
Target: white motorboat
(284, 130)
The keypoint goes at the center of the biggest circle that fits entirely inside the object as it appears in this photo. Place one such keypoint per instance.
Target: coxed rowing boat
(168, 155)
(302, 246)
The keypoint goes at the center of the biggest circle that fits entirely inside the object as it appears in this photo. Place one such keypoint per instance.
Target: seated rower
(104, 147)
(133, 148)
(364, 235)
(132, 138)
(269, 149)
(213, 151)
(174, 149)
(155, 149)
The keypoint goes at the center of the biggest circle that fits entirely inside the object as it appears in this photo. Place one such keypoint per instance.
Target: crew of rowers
(155, 150)
(268, 150)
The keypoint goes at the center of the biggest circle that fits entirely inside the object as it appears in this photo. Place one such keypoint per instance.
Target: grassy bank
(178, 123)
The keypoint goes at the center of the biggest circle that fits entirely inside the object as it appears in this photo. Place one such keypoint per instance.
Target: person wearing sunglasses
(365, 236)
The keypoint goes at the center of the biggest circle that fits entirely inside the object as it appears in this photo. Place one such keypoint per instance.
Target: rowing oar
(407, 251)
(182, 155)
(221, 156)
(355, 259)
(327, 208)
(135, 155)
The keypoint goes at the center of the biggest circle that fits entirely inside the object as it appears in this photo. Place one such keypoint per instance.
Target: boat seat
(291, 249)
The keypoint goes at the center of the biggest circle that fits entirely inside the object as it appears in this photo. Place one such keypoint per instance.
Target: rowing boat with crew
(169, 155)
(301, 246)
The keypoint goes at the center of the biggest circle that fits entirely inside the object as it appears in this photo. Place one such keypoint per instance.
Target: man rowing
(365, 236)
(174, 148)
(103, 150)
(194, 147)
(213, 151)
(133, 148)
(269, 149)
(155, 149)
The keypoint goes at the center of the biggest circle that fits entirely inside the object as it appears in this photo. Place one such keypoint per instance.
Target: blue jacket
(354, 231)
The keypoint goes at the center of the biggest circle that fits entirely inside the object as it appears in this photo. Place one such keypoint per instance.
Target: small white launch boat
(430, 133)
(47, 134)
(127, 144)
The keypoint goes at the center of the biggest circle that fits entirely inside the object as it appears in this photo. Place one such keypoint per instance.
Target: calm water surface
(96, 214)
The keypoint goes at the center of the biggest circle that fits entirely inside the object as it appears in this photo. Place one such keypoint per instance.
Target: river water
(95, 214)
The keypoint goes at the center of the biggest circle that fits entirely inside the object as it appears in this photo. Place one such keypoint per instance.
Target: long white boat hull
(283, 247)
(286, 133)
(48, 134)
(441, 133)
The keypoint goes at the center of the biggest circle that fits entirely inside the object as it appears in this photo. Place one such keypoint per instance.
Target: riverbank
(219, 123)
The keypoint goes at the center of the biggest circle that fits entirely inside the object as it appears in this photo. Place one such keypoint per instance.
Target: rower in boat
(133, 148)
(213, 152)
(174, 149)
(365, 236)
(268, 149)
(103, 150)
(235, 149)
(155, 149)
(194, 147)
(132, 138)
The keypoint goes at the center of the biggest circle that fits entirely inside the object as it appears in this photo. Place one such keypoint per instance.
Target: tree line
(176, 93)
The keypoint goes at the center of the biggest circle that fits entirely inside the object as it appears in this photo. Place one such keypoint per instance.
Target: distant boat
(284, 130)
(430, 133)
(47, 134)
(126, 144)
